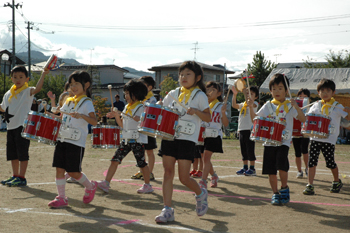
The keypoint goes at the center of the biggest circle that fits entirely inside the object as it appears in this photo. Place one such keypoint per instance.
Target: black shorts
(247, 146)
(198, 152)
(213, 144)
(275, 158)
(301, 146)
(152, 143)
(17, 147)
(179, 149)
(68, 156)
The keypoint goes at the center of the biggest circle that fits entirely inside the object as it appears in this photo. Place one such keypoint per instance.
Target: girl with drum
(275, 157)
(191, 101)
(213, 132)
(69, 151)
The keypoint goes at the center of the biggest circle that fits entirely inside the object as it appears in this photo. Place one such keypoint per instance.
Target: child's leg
(284, 178)
(207, 164)
(311, 175)
(23, 168)
(111, 171)
(60, 182)
(151, 160)
(201, 163)
(168, 178)
(306, 159)
(184, 170)
(315, 149)
(195, 164)
(335, 173)
(146, 174)
(273, 183)
(298, 163)
(15, 167)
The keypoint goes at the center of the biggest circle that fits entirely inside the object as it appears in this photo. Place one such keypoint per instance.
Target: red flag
(250, 76)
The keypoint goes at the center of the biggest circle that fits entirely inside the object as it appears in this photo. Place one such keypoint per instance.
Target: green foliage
(335, 60)
(167, 85)
(8, 85)
(100, 107)
(260, 68)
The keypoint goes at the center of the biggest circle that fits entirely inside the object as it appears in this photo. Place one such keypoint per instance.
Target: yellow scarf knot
(14, 91)
(276, 102)
(212, 104)
(244, 108)
(186, 93)
(327, 105)
(75, 99)
(149, 95)
(130, 107)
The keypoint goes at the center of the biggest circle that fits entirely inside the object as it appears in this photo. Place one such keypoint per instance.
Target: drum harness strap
(280, 115)
(330, 109)
(213, 132)
(131, 135)
(70, 132)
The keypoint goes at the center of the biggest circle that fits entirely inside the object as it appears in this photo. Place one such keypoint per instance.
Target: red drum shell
(201, 136)
(110, 138)
(30, 125)
(316, 125)
(267, 130)
(48, 130)
(96, 136)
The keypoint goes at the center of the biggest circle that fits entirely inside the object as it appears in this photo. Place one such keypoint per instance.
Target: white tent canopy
(309, 78)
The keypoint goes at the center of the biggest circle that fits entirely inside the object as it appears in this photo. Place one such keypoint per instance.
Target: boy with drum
(275, 156)
(16, 104)
(329, 107)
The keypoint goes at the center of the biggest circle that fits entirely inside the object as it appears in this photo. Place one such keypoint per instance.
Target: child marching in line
(182, 149)
(301, 144)
(16, 104)
(213, 132)
(327, 106)
(78, 112)
(152, 143)
(244, 128)
(135, 91)
(197, 164)
(275, 158)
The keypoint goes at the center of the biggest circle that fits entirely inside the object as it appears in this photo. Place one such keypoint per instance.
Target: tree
(260, 69)
(335, 60)
(167, 85)
(100, 107)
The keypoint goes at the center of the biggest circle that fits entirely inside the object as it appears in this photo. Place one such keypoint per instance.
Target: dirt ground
(238, 204)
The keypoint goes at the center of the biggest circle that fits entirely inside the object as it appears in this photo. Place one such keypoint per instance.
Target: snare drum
(96, 136)
(268, 130)
(316, 125)
(201, 136)
(30, 125)
(296, 123)
(110, 138)
(159, 121)
(47, 130)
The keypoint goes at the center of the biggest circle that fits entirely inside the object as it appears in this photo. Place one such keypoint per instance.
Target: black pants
(247, 146)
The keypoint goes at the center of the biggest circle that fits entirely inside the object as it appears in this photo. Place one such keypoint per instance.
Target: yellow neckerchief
(14, 90)
(327, 105)
(186, 93)
(276, 102)
(244, 108)
(149, 95)
(212, 104)
(75, 99)
(129, 107)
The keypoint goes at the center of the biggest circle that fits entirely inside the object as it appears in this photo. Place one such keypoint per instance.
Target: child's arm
(301, 116)
(2, 110)
(52, 98)
(225, 120)
(203, 115)
(250, 103)
(40, 83)
(91, 118)
(234, 98)
(347, 109)
(116, 115)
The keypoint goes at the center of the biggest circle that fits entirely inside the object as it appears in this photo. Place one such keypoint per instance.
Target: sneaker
(309, 190)
(250, 172)
(276, 199)
(17, 182)
(284, 195)
(71, 180)
(336, 186)
(193, 172)
(151, 177)
(300, 175)
(146, 188)
(103, 186)
(241, 172)
(138, 175)
(3, 182)
(198, 174)
(58, 202)
(202, 184)
(167, 215)
(202, 203)
(306, 172)
(90, 193)
(214, 181)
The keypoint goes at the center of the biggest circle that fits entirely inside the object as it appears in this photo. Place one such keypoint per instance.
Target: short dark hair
(66, 86)
(148, 80)
(255, 89)
(19, 69)
(197, 69)
(305, 91)
(117, 95)
(82, 77)
(136, 89)
(326, 83)
(217, 86)
(277, 79)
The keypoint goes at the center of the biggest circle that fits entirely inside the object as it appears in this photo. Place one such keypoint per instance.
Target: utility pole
(29, 62)
(195, 49)
(13, 6)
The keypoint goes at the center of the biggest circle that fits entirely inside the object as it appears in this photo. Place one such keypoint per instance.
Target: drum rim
(318, 115)
(110, 127)
(270, 119)
(153, 105)
(171, 110)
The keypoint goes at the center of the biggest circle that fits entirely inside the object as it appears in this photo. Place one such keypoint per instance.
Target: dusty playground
(238, 204)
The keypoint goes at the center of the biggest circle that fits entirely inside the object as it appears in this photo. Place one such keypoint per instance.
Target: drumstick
(248, 86)
(307, 105)
(285, 80)
(335, 106)
(227, 94)
(177, 101)
(110, 92)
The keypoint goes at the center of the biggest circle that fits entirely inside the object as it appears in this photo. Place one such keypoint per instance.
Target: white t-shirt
(245, 122)
(86, 108)
(200, 102)
(216, 120)
(265, 112)
(18, 107)
(151, 100)
(131, 124)
(336, 116)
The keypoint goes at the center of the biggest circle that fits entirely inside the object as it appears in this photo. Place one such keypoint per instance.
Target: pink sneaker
(214, 181)
(58, 202)
(90, 194)
(103, 186)
(202, 184)
(146, 188)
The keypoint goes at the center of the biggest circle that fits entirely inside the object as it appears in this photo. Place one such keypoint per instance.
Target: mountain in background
(139, 72)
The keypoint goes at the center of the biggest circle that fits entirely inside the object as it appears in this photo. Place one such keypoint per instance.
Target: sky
(143, 34)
